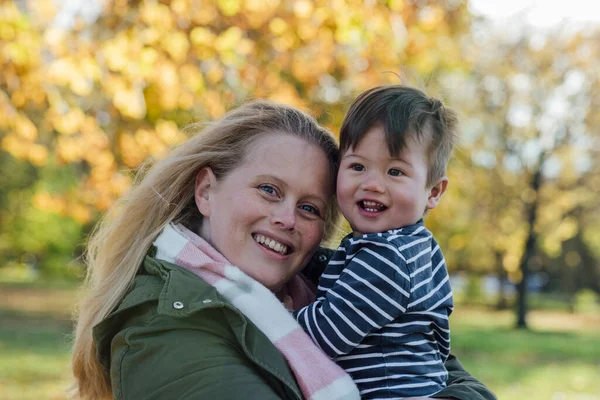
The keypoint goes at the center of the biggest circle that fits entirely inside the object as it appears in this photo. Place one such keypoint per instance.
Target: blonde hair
(118, 244)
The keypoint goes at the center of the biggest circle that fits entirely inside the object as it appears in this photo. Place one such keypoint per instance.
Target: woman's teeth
(372, 206)
(271, 243)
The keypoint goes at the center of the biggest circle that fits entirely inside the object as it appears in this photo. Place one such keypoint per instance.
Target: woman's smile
(272, 244)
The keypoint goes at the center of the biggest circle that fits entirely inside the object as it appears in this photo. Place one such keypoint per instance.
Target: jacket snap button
(322, 258)
(178, 305)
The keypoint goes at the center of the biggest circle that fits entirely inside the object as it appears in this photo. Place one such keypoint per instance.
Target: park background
(90, 90)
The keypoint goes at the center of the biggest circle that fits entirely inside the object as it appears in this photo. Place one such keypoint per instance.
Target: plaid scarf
(319, 378)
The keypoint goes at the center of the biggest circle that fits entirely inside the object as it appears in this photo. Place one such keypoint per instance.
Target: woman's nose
(284, 216)
(372, 183)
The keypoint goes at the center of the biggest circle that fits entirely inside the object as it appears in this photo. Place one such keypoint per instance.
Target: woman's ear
(205, 182)
(436, 192)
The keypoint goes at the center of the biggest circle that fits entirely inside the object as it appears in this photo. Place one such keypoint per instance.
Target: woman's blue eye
(395, 172)
(270, 190)
(357, 167)
(310, 209)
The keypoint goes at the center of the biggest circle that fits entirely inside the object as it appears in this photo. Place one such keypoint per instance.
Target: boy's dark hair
(403, 112)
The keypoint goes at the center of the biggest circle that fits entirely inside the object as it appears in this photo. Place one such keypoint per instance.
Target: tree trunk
(529, 251)
(501, 275)
(522, 286)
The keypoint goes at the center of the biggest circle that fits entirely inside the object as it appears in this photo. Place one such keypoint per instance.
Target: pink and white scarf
(318, 376)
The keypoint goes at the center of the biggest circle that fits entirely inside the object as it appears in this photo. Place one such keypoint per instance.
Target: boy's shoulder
(406, 233)
(405, 240)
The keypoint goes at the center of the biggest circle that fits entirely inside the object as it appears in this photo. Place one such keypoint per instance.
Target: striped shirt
(382, 312)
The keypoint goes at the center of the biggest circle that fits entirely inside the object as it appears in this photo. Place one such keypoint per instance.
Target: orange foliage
(111, 93)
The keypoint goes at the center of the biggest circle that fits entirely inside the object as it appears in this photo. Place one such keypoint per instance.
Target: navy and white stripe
(382, 312)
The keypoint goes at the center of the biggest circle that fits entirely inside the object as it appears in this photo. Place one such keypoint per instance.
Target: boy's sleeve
(372, 290)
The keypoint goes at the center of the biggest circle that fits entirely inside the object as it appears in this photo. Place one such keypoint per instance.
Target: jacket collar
(179, 293)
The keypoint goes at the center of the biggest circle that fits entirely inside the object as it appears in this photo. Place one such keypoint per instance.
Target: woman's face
(267, 215)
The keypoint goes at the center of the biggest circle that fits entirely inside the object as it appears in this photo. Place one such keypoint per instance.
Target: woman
(258, 187)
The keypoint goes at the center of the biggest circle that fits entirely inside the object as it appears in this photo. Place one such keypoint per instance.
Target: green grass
(558, 359)
(35, 330)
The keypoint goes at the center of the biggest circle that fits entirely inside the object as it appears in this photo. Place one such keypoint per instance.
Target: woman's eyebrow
(270, 177)
(316, 198)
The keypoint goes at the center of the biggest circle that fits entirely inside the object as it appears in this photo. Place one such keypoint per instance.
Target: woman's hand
(288, 303)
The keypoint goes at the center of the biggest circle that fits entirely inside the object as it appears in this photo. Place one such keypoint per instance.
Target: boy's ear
(205, 182)
(436, 192)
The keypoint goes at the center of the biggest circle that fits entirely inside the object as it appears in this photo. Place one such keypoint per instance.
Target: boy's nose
(372, 183)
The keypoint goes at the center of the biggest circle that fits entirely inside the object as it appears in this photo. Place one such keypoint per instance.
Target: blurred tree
(531, 130)
(98, 87)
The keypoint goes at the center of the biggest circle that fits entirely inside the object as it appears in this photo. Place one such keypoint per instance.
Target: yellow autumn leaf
(166, 76)
(286, 94)
(181, 7)
(260, 12)
(80, 213)
(168, 132)
(202, 36)
(204, 15)
(431, 18)
(69, 149)
(69, 122)
(177, 45)
(396, 5)
(214, 71)
(278, 26)
(228, 39)
(192, 77)
(130, 102)
(24, 128)
(156, 14)
(15, 146)
(307, 31)
(511, 261)
(38, 155)
(131, 152)
(186, 101)
(229, 7)
(59, 71)
(302, 8)
(81, 85)
(211, 100)
(119, 184)
(566, 229)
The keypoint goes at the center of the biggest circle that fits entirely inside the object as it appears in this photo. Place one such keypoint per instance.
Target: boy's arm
(372, 290)
(461, 384)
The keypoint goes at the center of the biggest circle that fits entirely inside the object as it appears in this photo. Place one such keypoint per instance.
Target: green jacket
(175, 337)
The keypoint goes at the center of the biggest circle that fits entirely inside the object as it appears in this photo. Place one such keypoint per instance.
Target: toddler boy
(384, 299)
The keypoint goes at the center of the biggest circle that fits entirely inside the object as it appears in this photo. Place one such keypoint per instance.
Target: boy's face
(377, 192)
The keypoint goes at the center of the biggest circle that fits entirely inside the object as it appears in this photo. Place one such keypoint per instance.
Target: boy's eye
(394, 172)
(268, 189)
(357, 167)
(310, 209)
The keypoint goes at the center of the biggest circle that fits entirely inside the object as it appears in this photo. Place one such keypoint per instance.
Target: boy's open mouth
(371, 206)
